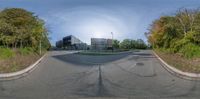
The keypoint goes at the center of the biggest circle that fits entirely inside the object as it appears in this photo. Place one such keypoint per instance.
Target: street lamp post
(112, 41)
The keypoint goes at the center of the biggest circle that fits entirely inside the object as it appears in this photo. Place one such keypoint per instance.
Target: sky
(86, 19)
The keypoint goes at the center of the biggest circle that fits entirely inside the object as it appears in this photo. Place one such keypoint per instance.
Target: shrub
(190, 50)
(6, 53)
(175, 47)
(193, 37)
(26, 50)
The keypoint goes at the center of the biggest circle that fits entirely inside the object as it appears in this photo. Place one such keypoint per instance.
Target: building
(101, 44)
(59, 44)
(71, 43)
(71, 40)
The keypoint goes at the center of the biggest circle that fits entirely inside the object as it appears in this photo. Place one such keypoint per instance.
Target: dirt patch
(179, 62)
(18, 62)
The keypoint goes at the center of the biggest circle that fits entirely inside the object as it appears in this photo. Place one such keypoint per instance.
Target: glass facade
(100, 43)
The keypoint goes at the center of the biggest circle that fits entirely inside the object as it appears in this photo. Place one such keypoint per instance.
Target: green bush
(178, 45)
(6, 53)
(26, 50)
(193, 37)
(190, 50)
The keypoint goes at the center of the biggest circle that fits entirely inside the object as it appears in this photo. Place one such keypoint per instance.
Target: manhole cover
(139, 64)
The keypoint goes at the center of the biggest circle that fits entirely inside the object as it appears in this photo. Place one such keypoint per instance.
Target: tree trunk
(21, 44)
(15, 45)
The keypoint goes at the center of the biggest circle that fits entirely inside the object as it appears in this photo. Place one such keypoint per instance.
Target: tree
(21, 28)
(186, 19)
(125, 44)
(140, 44)
(162, 31)
(133, 44)
(177, 34)
(116, 44)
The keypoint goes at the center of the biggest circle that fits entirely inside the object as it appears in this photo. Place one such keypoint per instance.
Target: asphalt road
(62, 75)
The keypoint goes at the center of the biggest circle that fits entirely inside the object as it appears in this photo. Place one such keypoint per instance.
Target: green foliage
(26, 50)
(190, 50)
(20, 28)
(194, 37)
(179, 44)
(6, 53)
(177, 34)
(116, 44)
(139, 44)
(127, 44)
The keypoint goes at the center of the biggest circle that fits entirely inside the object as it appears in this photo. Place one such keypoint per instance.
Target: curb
(177, 72)
(21, 73)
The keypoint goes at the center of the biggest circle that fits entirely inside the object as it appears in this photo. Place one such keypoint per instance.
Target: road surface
(62, 75)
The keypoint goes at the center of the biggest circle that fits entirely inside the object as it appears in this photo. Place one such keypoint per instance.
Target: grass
(6, 53)
(190, 51)
(180, 62)
(12, 60)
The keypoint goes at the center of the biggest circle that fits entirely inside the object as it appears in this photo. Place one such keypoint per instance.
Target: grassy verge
(191, 65)
(12, 60)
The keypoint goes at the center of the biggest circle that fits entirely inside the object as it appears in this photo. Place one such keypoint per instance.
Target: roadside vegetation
(23, 39)
(118, 47)
(176, 38)
(129, 44)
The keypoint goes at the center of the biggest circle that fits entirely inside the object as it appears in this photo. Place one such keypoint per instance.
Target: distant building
(71, 43)
(101, 43)
(59, 44)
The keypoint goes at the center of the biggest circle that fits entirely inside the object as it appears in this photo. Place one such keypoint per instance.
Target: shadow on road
(89, 60)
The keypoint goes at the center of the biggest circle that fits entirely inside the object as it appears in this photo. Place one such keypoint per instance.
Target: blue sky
(98, 18)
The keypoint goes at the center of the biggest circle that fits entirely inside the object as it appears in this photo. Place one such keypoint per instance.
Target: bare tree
(186, 17)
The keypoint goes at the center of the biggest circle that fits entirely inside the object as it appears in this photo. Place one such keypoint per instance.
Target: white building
(101, 43)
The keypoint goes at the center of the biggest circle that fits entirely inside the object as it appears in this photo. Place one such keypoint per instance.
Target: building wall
(109, 42)
(75, 40)
(100, 43)
(59, 44)
(67, 41)
(72, 43)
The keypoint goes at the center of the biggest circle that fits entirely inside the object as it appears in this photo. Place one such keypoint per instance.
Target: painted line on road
(21, 73)
(177, 72)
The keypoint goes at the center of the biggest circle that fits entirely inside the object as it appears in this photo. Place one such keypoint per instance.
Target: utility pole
(112, 35)
(112, 41)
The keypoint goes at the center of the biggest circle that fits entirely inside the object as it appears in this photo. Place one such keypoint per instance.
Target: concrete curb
(19, 74)
(177, 72)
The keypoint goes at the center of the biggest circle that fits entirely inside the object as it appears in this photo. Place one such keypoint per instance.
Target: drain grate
(139, 64)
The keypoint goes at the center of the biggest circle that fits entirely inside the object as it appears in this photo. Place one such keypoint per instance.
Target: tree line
(128, 44)
(20, 28)
(178, 33)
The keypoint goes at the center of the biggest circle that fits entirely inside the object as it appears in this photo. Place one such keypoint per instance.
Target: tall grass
(26, 50)
(6, 53)
(190, 50)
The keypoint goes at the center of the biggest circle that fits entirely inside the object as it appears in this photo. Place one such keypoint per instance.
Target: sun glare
(98, 35)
